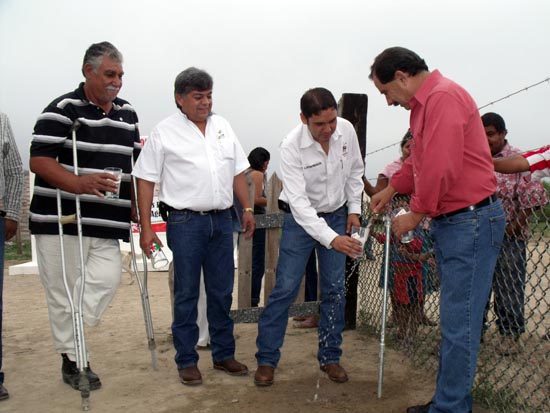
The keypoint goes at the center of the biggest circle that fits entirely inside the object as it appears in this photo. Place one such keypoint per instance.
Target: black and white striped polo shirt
(103, 140)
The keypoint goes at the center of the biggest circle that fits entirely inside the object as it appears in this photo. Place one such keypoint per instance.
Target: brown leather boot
(264, 376)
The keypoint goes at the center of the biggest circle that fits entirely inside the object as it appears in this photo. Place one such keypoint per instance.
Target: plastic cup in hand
(361, 234)
(409, 235)
(158, 258)
(118, 173)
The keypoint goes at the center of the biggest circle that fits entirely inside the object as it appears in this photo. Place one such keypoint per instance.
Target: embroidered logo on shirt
(313, 165)
(345, 149)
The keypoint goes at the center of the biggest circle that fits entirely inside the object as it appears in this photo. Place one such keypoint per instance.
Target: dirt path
(119, 355)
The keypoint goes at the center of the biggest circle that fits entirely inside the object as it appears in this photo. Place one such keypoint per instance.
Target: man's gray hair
(95, 53)
(192, 79)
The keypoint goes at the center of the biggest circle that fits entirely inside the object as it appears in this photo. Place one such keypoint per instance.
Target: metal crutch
(142, 284)
(76, 312)
(387, 223)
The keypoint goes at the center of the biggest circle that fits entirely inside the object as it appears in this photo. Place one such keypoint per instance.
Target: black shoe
(3, 392)
(71, 374)
(423, 408)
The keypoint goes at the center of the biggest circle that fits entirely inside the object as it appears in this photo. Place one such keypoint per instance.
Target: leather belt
(166, 209)
(487, 201)
(283, 206)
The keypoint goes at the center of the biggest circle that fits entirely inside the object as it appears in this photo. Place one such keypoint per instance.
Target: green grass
(499, 400)
(12, 253)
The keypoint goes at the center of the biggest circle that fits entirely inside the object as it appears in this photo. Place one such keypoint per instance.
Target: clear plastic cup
(409, 235)
(118, 173)
(158, 258)
(361, 234)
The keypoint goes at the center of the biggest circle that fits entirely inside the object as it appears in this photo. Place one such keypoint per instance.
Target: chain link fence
(513, 373)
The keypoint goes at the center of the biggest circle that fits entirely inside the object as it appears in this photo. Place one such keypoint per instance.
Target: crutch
(387, 223)
(76, 312)
(142, 283)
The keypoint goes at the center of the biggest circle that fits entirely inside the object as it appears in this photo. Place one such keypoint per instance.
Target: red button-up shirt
(450, 166)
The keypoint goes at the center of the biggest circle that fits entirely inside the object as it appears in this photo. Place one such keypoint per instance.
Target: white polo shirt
(315, 182)
(194, 171)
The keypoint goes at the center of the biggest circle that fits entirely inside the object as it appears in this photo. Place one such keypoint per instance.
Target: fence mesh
(513, 373)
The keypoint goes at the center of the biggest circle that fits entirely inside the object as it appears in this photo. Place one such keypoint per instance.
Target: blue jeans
(258, 264)
(202, 241)
(509, 287)
(2, 248)
(295, 249)
(466, 250)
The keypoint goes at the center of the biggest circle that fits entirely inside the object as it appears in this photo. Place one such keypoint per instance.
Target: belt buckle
(203, 212)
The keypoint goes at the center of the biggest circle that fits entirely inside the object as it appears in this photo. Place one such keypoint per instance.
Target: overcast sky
(264, 55)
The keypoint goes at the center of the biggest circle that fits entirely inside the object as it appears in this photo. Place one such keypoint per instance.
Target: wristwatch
(248, 210)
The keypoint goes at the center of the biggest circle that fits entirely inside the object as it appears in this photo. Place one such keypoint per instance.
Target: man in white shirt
(198, 161)
(321, 170)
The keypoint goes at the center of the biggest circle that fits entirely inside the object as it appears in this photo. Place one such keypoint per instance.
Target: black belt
(487, 201)
(283, 206)
(166, 209)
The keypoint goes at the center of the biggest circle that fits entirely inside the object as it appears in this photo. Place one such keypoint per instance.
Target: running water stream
(331, 317)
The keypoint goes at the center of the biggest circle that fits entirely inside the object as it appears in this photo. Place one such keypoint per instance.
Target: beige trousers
(103, 271)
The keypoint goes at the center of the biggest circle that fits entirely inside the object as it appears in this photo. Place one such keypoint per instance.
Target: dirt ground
(120, 356)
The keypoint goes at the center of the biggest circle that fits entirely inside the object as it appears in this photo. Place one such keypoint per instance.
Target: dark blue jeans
(295, 250)
(202, 241)
(2, 247)
(466, 249)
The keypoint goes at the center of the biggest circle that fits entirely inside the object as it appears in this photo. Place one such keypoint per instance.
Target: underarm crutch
(76, 311)
(142, 283)
(387, 223)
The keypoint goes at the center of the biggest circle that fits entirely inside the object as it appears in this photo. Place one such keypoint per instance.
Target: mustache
(113, 88)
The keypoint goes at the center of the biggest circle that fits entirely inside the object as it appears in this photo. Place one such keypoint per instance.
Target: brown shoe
(190, 376)
(335, 372)
(232, 367)
(264, 376)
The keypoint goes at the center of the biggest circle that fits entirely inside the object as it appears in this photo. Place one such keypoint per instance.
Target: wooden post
(354, 107)
(273, 235)
(244, 294)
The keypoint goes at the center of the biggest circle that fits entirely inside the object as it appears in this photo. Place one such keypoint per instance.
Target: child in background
(405, 280)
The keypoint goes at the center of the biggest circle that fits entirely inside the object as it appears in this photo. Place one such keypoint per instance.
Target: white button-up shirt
(195, 171)
(315, 182)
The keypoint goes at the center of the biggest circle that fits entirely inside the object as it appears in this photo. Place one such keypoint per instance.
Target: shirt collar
(117, 105)
(307, 140)
(421, 95)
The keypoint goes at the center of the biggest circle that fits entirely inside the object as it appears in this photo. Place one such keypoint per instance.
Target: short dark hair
(95, 53)
(257, 157)
(316, 100)
(192, 79)
(494, 119)
(407, 137)
(393, 59)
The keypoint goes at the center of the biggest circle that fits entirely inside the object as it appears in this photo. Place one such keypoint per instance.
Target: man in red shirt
(450, 178)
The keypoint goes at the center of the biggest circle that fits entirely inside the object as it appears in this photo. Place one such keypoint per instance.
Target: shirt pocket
(226, 149)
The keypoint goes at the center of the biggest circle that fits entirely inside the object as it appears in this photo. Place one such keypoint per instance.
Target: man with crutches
(106, 135)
